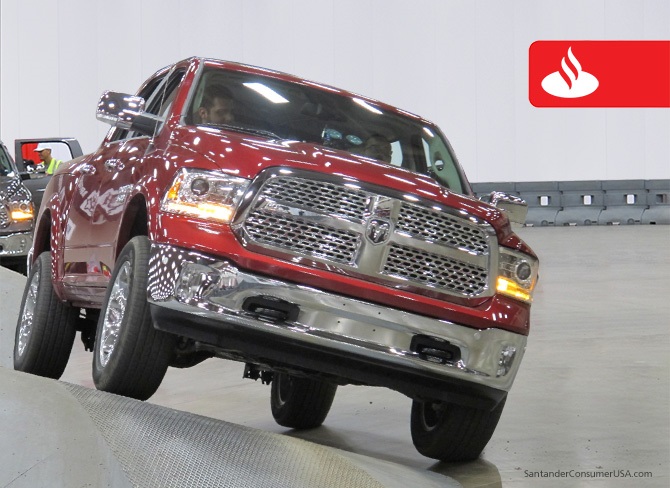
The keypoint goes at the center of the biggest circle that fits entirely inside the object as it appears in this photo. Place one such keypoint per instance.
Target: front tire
(300, 403)
(130, 356)
(451, 432)
(46, 326)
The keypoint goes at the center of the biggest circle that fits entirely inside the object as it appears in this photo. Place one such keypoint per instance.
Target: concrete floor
(590, 406)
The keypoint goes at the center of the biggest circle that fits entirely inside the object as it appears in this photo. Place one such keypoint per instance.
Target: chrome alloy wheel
(114, 314)
(28, 313)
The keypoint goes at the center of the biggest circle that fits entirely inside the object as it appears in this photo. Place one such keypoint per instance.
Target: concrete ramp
(56, 434)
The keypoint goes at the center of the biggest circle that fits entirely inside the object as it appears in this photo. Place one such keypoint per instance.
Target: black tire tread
(54, 328)
(308, 404)
(462, 434)
(142, 355)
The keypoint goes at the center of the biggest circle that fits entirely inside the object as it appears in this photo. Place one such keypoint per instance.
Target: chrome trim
(115, 312)
(217, 291)
(16, 244)
(515, 207)
(345, 214)
(5, 219)
(119, 109)
(28, 314)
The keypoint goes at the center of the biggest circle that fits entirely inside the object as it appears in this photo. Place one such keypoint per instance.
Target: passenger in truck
(378, 147)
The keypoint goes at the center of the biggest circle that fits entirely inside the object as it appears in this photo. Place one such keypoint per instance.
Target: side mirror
(126, 112)
(515, 208)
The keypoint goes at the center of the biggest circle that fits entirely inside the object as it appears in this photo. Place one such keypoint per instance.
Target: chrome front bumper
(197, 288)
(16, 244)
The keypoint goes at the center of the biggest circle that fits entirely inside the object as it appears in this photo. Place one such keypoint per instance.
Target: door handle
(113, 165)
(87, 169)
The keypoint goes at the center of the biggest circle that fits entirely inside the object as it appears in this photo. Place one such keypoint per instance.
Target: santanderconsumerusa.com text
(573, 473)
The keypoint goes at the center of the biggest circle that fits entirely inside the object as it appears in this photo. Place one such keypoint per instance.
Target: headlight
(517, 274)
(205, 195)
(21, 211)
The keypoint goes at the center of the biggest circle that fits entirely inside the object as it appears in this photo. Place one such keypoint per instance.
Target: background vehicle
(28, 162)
(21, 188)
(16, 215)
(271, 238)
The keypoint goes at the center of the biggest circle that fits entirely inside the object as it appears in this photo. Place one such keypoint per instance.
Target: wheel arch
(135, 222)
(42, 236)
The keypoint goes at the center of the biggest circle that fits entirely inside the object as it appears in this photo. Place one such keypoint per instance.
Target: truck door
(82, 260)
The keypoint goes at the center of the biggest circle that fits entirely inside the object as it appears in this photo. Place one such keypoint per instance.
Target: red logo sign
(599, 74)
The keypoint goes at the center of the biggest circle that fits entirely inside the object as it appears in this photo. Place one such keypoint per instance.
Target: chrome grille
(303, 237)
(330, 224)
(435, 271)
(441, 228)
(322, 197)
(4, 216)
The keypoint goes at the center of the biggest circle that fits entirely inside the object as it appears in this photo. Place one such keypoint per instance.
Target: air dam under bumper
(272, 322)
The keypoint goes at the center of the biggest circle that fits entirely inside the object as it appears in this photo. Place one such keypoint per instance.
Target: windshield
(5, 165)
(306, 112)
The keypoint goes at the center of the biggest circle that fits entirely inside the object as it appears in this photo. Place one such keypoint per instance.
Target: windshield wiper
(248, 130)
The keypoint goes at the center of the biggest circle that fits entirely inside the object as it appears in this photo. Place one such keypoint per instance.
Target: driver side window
(160, 101)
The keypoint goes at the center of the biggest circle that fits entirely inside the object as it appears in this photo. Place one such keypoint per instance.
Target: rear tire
(300, 403)
(46, 326)
(451, 432)
(130, 356)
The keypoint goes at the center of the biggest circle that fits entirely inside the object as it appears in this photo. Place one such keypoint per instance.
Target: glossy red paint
(88, 199)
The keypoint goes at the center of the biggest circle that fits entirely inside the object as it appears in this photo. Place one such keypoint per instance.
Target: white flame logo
(571, 81)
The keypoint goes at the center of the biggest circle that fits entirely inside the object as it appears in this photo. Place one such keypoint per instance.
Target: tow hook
(271, 308)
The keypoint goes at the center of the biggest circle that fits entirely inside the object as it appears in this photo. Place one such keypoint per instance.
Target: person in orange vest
(50, 163)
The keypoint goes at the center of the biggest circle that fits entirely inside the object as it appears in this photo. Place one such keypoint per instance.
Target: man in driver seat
(216, 106)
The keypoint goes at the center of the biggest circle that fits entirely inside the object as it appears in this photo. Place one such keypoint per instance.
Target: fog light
(228, 275)
(506, 360)
(193, 281)
(197, 281)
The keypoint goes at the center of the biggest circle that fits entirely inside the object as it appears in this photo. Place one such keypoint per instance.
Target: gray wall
(462, 64)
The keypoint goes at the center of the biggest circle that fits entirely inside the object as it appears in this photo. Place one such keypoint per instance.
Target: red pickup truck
(320, 237)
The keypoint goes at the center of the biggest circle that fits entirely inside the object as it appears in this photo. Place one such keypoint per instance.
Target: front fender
(51, 229)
